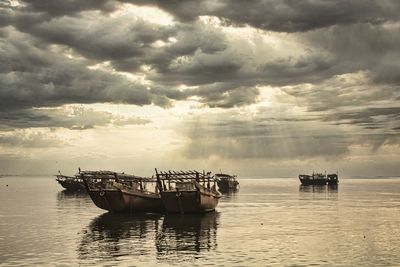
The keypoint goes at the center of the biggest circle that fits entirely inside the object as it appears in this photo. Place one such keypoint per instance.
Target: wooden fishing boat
(226, 182)
(137, 198)
(119, 192)
(188, 191)
(70, 183)
(314, 179)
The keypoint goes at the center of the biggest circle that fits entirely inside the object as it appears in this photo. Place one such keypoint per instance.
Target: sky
(268, 88)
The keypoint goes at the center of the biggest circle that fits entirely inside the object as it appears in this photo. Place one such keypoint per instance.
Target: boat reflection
(68, 201)
(186, 236)
(318, 188)
(333, 187)
(66, 194)
(228, 191)
(312, 188)
(315, 192)
(115, 235)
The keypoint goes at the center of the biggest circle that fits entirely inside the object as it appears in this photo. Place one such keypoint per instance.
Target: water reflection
(318, 188)
(110, 236)
(228, 191)
(329, 192)
(186, 236)
(333, 187)
(66, 194)
(72, 202)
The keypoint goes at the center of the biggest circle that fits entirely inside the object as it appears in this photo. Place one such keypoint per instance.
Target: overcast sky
(268, 88)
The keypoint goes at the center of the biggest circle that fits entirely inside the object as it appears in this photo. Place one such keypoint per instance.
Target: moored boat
(188, 191)
(333, 179)
(70, 183)
(314, 179)
(119, 192)
(137, 198)
(226, 182)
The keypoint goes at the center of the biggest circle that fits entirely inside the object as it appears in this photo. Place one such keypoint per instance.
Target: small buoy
(364, 236)
(6, 184)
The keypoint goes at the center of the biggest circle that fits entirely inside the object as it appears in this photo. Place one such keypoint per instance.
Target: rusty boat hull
(191, 201)
(141, 202)
(125, 201)
(110, 200)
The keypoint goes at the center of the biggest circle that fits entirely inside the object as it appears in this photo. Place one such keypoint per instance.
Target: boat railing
(132, 187)
(185, 180)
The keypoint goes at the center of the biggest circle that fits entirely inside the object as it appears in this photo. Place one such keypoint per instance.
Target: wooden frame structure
(187, 191)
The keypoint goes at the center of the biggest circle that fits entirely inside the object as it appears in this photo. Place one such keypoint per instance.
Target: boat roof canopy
(112, 175)
(181, 176)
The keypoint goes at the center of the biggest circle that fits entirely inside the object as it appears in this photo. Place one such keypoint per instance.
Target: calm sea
(268, 222)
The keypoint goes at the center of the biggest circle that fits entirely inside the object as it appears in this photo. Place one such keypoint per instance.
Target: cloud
(70, 7)
(70, 117)
(102, 40)
(36, 76)
(31, 139)
(51, 56)
(349, 99)
(284, 16)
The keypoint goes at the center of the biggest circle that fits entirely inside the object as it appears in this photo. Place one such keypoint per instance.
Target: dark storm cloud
(36, 76)
(67, 7)
(369, 118)
(200, 55)
(74, 118)
(351, 99)
(346, 37)
(284, 16)
(226, 95)
(361, 47)
(104, 40)
(352, 91)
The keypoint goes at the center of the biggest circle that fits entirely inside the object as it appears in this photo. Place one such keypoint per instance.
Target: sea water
(267, 222)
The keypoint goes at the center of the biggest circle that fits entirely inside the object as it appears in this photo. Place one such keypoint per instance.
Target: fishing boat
(70, 183)
(137, 198)
(333, 179)
(188, 191)
(226, 182)
(314, 179)
(120, 192)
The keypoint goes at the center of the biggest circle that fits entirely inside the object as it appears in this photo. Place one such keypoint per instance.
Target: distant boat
(227, 182)
(70, 183)
(188, 191)
(314, 179)
(333, 179)
(121, 193)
